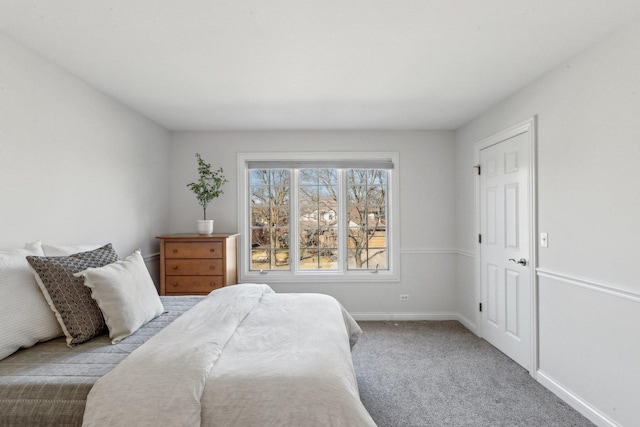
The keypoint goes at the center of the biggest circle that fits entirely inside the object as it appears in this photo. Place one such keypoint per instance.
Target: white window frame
(392, 274)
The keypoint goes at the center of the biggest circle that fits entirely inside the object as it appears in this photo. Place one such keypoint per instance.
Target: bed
(47, 384)
(244, 355)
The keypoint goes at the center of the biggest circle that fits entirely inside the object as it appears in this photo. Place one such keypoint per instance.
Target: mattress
(243, 356)
(47, 384)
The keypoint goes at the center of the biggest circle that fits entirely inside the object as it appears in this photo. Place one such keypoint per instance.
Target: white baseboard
(470, 325)
(576, 402)
(417, 316)
(405, 316)
(152, 257)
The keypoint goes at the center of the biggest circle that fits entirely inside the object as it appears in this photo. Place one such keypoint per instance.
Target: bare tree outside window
(318, 211)
(367, 207)
(270, 222)
(318, 218)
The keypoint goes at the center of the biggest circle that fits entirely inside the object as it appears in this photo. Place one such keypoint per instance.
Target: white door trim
(528, 125)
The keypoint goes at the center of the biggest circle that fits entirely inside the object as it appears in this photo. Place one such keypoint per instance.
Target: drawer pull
(175, 251)
(175, 284)
(212, 284)
(212, 267)
(212, 250)
(175, 267)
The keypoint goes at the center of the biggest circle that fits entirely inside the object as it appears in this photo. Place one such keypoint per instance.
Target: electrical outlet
(404, 297)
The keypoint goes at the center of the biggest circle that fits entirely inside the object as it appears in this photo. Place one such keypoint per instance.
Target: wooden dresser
(194, 264)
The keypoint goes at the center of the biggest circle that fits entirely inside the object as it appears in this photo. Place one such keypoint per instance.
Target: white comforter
(244, 356)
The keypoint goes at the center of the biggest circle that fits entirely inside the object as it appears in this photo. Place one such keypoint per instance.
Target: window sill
(319, 277)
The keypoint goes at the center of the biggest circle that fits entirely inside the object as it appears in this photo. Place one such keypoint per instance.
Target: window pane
(368, 259)
(318, 177)
(378, 239)
(328, 177)
(328, 215)
(280, 238)
(328, 260)
(328, 238)
(309, 259)
(314, 259)
(259, 216)
(308, 177)
(378, 211)
(327, 193)
(260, 259)
(260, 237)
(270, 218)
(281, 257)
(377, 257)
(269, 238)
(357, 259)
(357, 215)
(308, 218)
(309, 238)
(366, 206)
(356, 177)
(279, 217)
(374, 220)
(309, 195)
(376, 195)
(260, 196)
(358, 237)
(316, 209)
(379, 177)
(279, 177)
(317, 217)
(258, 177)
(356, 194)
(279, 195)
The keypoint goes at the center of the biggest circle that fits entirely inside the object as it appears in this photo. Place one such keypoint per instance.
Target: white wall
(589, 203)
(76, 167)
(426, 209)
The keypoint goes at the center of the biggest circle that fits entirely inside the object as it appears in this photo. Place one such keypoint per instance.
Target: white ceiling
(310, 64)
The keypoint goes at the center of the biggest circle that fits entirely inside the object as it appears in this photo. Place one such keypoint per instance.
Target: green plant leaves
(209, 184)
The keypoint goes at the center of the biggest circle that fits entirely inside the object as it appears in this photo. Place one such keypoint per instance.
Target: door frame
(529, 125)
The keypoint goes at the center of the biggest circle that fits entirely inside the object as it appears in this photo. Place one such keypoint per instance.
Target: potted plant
(207, 188)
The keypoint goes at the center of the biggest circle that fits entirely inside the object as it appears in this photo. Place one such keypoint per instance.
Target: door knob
(521, 261)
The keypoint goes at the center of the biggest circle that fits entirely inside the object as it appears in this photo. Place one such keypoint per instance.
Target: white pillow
(25, 316)
(125, 294)
(57, 250)
(35, 247)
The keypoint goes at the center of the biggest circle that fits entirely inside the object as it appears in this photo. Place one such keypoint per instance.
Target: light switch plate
(544, 240)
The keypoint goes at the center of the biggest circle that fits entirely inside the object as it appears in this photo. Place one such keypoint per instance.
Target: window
(318, 216)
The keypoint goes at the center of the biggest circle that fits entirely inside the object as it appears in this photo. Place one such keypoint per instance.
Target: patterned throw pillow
(78, 314)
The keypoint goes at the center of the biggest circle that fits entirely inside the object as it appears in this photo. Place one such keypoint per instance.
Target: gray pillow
(78, 314)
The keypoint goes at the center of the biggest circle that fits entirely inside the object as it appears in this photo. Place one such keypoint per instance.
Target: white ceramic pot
(205, 226)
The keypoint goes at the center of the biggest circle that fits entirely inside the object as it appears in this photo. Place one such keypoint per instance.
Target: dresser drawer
(193, 249)
(194, 264)
(193, 284)
(193, 267)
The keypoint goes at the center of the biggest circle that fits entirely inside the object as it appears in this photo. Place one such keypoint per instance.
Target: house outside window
(318, 217)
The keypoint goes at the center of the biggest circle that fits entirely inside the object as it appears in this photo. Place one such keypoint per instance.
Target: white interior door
(505, 247)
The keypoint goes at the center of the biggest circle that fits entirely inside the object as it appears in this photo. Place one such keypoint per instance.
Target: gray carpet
(440, 374)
